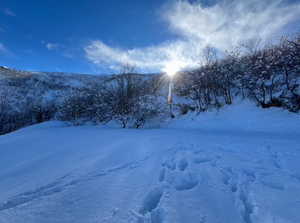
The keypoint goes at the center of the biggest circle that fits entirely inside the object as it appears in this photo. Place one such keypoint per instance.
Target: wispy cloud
(9, 12)
(222, 26)
(229, 23)
(64, 50)
(4, 50)
(52, 46)
(149, 58)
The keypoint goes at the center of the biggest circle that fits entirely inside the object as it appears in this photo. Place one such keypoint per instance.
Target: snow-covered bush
(124, 99)
(80, 106)
(147, 108)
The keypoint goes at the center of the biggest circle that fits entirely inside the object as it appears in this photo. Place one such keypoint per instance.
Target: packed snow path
(53, 173)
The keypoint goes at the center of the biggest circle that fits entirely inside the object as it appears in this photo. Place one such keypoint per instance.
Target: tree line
(270, 76)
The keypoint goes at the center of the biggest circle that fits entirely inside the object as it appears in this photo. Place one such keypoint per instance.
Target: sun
(172, 68)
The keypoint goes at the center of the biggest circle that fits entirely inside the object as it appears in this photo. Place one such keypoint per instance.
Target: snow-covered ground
(240, 165)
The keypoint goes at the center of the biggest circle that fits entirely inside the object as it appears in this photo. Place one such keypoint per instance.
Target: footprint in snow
(186, 181)
(170, 164)
(200, 160)
(151, 200)
(183, 164)
(162, 175)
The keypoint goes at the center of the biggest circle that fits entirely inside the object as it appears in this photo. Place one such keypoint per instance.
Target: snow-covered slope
(242, 116)
(238, 166)
(21, 88)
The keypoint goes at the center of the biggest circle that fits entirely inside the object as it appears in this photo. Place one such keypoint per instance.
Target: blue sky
(96, 36)
(68, 25)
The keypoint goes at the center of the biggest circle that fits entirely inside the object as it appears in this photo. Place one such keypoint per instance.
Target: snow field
(213, 173)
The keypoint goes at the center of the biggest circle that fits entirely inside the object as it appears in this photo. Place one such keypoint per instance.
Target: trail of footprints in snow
(277, 162)
(175, 173)
(239, 183)
(43, 191)
(61, 184)
(274, 158)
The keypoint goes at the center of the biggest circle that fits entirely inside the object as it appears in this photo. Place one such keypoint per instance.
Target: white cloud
(52, 46)
(223, 26)
(149, 58)
(61, 48)
(228, 23)
(9, 12)
(3, 49)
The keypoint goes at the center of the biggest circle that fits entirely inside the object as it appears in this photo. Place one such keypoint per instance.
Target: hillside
(267, 76)
(28, 98)
(44, 84)
(198, 169)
